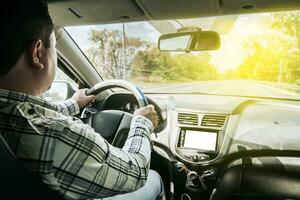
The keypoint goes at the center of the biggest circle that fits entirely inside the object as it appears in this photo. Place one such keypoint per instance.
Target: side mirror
(59, 91)
(187, 41)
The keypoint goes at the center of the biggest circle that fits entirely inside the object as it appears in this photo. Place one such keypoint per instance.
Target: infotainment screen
(200, 140)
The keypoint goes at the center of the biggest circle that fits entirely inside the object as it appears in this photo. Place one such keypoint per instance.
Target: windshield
(259, 55)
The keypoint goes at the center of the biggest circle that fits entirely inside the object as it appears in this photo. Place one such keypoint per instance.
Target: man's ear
(35, 53)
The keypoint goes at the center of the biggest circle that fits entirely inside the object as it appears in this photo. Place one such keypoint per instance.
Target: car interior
(206, 145)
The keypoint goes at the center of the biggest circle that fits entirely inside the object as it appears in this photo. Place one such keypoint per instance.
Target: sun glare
(231, 53)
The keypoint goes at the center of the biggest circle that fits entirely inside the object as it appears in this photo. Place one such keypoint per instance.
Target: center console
(197, 145)
(200, 136)
(196, 140)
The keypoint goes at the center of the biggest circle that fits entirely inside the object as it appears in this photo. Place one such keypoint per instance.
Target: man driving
(66, 154)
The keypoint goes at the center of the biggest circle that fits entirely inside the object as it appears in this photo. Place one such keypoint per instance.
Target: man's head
(28, 45)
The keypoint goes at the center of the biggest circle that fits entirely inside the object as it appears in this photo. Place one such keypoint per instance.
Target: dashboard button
(195, 158)
(203, 157)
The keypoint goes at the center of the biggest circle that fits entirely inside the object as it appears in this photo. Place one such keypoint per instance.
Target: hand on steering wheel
(149, 113)
(114, 125)
(82, 99)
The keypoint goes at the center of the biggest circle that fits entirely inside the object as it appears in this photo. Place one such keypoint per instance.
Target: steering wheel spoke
(114, 125)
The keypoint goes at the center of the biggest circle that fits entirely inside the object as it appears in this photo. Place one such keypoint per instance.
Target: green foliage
(266, 56)
(152, 65)
(275, 56)
(107, 51)
(272, 56)
(288, 22)
(145, 63)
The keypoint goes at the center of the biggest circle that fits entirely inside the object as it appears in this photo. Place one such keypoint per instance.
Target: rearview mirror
(189, 41)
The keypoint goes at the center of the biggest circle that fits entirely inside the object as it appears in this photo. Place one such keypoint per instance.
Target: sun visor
(179, 9)
(255, 6)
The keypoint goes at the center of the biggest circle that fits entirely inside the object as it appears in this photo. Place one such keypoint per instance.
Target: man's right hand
(149, 113)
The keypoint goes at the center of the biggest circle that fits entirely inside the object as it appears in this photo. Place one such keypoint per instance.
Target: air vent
(213, 120)
(188, 119)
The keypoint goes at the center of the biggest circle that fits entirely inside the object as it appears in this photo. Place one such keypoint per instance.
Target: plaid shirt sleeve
(68, 155)
(87, 166)
(69, 107)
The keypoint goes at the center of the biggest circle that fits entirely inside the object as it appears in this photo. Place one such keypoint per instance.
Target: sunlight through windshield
(259, 56)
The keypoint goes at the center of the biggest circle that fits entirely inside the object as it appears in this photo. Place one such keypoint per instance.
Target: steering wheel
(114, 125)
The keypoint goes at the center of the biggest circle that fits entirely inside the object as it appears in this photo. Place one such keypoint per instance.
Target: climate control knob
(203, 157)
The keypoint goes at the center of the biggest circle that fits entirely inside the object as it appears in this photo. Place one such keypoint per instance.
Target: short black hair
(23, 22)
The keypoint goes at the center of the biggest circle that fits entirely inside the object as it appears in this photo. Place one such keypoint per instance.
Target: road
(243, 88)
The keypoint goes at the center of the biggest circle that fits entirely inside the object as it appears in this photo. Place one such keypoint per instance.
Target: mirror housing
(194, 40)
(59, 91)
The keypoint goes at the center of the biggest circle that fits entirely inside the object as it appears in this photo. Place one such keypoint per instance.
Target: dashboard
(200, 129)
(198, 134)
(194, 136)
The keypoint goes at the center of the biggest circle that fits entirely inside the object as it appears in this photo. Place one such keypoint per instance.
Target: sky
(229, 56)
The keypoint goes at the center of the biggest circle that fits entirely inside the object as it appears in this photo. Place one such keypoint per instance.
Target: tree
(153, 65)
(274, 56)
(270, 57)
(288, 23)
(145, 63)
(107, 51)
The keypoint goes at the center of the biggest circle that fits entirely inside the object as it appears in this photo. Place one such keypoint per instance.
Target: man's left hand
(82, 99)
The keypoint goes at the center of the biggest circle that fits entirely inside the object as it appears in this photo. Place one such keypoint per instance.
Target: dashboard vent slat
(214, 120)
(188, 119)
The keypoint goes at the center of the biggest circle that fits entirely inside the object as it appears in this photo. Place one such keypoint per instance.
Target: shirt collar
(12, 97)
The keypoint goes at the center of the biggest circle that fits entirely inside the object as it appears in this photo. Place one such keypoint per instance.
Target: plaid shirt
(67, 154)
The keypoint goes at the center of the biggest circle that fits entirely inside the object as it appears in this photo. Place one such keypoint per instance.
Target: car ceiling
(84, 12)
(81, 12)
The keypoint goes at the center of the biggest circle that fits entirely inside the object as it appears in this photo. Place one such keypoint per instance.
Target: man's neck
(19, 84)
(17, 89)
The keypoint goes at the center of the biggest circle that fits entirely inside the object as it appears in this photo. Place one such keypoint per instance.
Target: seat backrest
(258, 182)
(16, 182)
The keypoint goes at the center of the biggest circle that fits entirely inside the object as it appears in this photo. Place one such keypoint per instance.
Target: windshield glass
(259, 55)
